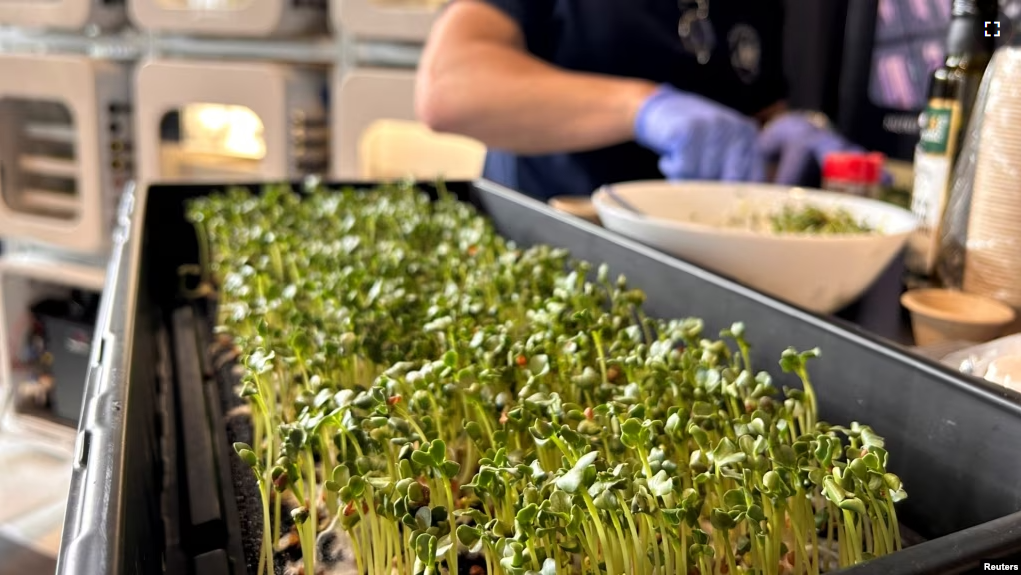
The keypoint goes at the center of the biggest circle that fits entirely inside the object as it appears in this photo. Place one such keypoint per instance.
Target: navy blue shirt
(640, 39)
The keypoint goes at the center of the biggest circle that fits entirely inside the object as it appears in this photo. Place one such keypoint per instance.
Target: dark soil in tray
(246, 490)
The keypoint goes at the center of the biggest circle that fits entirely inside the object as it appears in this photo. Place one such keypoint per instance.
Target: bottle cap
(854, 167)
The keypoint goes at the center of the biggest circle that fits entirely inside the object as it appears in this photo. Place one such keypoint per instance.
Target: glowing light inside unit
(223, 130)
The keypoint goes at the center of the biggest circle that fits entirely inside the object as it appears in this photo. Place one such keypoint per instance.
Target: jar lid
(854, 167)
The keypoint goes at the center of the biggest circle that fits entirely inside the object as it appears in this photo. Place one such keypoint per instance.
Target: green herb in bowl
(815, 220)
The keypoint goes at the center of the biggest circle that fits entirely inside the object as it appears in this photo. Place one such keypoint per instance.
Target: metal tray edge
(91, 516)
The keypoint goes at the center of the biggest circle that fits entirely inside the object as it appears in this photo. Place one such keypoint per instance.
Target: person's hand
(797, 143)
(698, 139)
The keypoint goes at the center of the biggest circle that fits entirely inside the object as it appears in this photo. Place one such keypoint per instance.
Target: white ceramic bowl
(819, 273)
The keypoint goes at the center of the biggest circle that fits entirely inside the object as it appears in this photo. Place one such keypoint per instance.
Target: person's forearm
(511, 101)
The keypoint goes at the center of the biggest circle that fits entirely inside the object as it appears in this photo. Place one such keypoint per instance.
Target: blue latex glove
(795, 143)
(697, 138)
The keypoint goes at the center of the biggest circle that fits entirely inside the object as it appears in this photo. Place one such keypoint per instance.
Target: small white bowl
(820, 273)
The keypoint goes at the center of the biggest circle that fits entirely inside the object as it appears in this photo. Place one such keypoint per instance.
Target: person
(569, 95)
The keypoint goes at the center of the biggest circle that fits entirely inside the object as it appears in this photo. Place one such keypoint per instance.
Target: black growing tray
(151, 490)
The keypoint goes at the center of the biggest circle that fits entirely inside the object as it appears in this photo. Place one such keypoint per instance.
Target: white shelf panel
(48, 166)
(59, 133)
(46, 200)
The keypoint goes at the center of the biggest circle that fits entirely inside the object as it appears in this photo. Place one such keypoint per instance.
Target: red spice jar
(853, 173)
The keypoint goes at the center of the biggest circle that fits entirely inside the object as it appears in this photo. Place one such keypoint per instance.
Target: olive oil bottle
(952, 92)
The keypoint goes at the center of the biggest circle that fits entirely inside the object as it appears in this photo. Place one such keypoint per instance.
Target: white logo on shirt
(745, 52)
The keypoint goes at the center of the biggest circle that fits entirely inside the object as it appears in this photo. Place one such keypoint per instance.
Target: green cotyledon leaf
(630, 431)
(660, 484)
(527, 514)
(726, 453)
(735, 498)
(538, 365)
(425, 547)
(853, 504)
(832, 490)
(721, 520)
(438, 451)
(573, 480)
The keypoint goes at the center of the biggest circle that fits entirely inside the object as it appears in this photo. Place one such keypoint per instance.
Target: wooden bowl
(939, 315)
(580, 206)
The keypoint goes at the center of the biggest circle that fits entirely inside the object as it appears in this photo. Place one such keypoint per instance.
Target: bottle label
(936, 132)
(932, 175)
(933, 171)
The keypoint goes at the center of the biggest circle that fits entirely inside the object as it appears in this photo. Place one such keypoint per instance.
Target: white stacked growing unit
(239, 121)
(379, 137)
(65, 142)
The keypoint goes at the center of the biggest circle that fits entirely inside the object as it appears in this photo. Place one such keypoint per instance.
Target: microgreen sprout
(433, 390)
